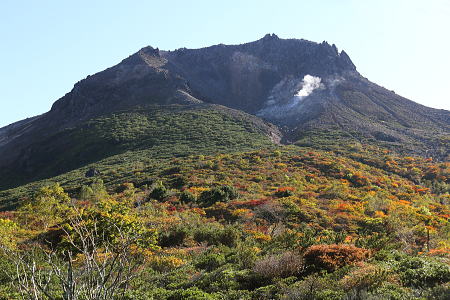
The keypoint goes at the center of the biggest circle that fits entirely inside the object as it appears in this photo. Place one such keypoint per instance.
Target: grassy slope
(133, 145)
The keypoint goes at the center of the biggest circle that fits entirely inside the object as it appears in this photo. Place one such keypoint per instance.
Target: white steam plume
(310, 83)
(281, 102)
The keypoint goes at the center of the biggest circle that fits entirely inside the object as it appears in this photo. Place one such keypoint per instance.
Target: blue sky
(47, 46)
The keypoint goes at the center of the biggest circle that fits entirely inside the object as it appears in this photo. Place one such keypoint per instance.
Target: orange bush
(332, 257)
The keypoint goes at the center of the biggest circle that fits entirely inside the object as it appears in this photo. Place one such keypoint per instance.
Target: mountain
(268, 170)
(309, 90)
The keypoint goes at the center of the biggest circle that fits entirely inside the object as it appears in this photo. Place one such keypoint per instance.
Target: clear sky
(46, 46)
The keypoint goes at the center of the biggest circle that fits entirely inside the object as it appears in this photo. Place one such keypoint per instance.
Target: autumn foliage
(332, 257)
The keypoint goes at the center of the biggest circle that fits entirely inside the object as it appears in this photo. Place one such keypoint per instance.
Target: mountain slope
(308, 89)
(269, 224)
(164, 169)
(264, 77)
(163, 131)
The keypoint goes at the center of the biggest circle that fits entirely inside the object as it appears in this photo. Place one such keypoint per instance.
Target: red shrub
(284, 191)
(249, 203)
(7, 215)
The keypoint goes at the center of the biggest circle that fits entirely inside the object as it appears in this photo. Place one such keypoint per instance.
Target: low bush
(192, 293)
(175, 236)
(332, 257)
(223, 193)
(216, 235)
(284, 192)
(164, 263)
(187, 197)
(422, 272)
(284, 265)
(210, 261)
(313, 287)
(159, 192)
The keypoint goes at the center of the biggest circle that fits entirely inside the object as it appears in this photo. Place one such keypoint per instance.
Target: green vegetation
(134, 146)
(275, 223)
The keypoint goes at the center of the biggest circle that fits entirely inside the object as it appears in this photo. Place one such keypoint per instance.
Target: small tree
(100, 254)
(50, 205)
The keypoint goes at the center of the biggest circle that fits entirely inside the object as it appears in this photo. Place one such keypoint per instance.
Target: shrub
(271, 212)
(86, 193)
(284, 192)
(159, 192)
(8, 229)
(357, 179)
(224, 193)
(140, 294)
(364, 276)
(208, 233)
(164, 263)
(277, 153)
(265, 292)
(109, 222)
(187, 197)
(210, 261)
(192, 293)
(313, 287)
(175, 236)
(394, 291)
(375, 241)
(440, 292)
(422, 272)
(230, 236)
(244, 256)
(50, 205)
(179, 181)
(124, 187)
(222, 279)
(235, 295)
(284, 265)
(334, 256)
(221, 211)
(216, 235)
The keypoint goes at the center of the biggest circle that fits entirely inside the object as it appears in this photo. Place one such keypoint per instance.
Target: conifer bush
(223, 193)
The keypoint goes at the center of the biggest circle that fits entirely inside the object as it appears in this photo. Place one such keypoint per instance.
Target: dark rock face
(238, 76)
(140, 79)
(92, 172)
(297, 84)
(242, 76)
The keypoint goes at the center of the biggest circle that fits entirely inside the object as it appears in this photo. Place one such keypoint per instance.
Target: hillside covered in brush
(267, 170)
(281, 223)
